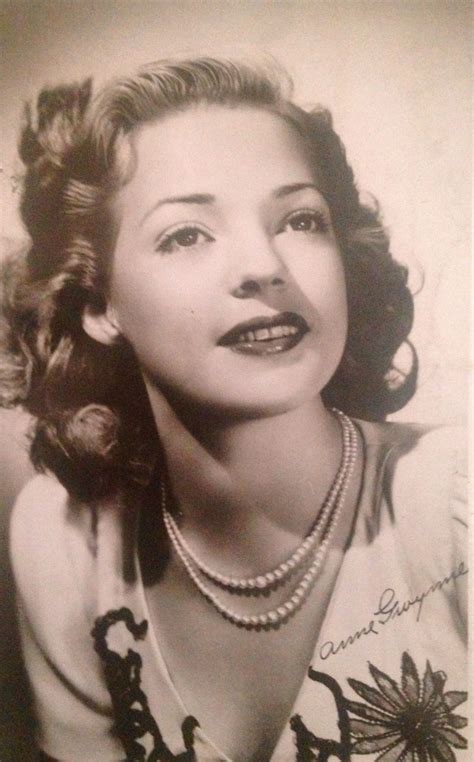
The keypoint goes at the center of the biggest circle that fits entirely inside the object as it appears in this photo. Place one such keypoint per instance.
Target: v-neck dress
(389, 668)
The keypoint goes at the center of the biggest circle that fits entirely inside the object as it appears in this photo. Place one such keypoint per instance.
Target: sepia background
(396, 76)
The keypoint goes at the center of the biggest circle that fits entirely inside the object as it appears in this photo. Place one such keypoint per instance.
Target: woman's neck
(273, 457)
(249, 480)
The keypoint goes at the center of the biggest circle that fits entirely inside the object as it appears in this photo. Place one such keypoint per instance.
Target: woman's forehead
(215, 148)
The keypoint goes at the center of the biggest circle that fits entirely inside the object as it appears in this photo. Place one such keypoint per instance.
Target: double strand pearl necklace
(290, 565)
(324, 526)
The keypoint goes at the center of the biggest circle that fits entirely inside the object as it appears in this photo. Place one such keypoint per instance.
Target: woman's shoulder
(44, 513)
(66, 549)
(54, 557)
(42, 495)
(406, 436)
(427, 453)
(429, 484)
(52, 545)
(423, 474)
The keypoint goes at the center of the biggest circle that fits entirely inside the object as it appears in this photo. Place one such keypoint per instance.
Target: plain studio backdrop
(396, 76)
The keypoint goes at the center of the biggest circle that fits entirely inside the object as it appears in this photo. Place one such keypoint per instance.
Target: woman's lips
(266, 335)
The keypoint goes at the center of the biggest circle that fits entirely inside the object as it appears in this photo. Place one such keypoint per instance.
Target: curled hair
(94, 426)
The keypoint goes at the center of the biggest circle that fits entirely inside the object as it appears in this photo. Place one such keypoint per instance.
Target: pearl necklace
(324, 526)
(284, 570)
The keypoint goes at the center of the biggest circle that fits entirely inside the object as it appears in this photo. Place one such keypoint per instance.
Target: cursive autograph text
(389, 608)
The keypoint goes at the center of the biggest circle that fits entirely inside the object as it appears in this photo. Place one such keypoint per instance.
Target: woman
(226, 566)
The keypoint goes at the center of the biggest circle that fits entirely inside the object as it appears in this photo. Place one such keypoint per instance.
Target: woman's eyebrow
(192, 198)
(285, 190)
(208, 198)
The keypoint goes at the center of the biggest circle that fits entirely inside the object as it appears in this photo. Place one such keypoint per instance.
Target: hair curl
(94, 426)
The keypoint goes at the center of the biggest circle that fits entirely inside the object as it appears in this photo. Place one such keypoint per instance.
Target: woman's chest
(242, 693)
(242, 684)
(273, 695)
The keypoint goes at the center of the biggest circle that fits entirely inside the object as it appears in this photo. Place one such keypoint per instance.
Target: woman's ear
(101, 325)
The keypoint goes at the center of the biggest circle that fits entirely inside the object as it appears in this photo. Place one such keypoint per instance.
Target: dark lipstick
(263, 335)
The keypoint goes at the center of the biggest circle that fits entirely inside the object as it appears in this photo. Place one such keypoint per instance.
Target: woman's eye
(307, 222)
(184, 238)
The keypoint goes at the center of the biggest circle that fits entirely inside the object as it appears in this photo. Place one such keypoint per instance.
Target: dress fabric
(388, 676)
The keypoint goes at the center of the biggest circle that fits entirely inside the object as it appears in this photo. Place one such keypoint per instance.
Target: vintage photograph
(234, 380)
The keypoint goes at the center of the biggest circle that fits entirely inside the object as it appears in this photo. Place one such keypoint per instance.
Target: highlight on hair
(94, 428)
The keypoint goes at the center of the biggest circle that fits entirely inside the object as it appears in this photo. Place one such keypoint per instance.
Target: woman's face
(226, 277)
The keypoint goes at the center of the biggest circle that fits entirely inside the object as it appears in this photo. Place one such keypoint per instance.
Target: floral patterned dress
(387, 679)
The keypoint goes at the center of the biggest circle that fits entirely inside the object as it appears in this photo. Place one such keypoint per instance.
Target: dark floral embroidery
(311, 747)
(133, 719)
(413, 722)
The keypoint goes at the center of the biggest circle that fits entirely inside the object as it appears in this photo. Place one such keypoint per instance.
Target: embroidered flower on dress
(413, 722)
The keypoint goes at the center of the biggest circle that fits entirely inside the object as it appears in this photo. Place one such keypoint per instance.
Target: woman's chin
(222, 393)
(260, 404)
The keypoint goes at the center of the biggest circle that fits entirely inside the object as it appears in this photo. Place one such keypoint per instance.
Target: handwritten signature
(389, 608)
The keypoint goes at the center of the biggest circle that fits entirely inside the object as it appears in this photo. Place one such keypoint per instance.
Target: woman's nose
(253, 286)
(261, 271)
